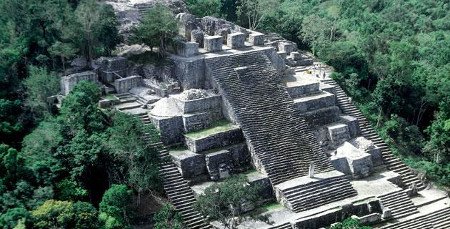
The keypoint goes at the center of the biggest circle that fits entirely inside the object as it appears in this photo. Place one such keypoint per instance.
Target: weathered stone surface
(236, 40)
(189, 163)
(213, 43)
(111, 68)
(190, 72)
(367, 146)
(69, 82)
(359, 162)
(211, 102)
(201, 120)
(287, 47)
(216, 140)
(187, 24)
(314, 101)
(171, 128)
(197, 37)
(338, 133)
(266, 191)
(219, 160)
(353, 125)
(223, 32)
(256, 39)
(125, 84)
(187, 49)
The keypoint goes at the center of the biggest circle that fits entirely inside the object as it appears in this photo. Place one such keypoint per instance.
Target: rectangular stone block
(214, 140)
(189, 163)
(187, 49)
(125, 84)
(295, 55)
(236, 40)
(282, 54)
(112, 68)
(338, 133)
(69, 82)
(256, 39)
(212, 102)
(201, 120)
(213, 43)
(353, 125)
(286, 47)
(197, 37)
(171, 128)
(219, 164)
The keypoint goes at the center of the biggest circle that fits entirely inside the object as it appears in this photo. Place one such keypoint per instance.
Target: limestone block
(104, 103)
(314, 101)
(190, 72)
(236, 40)
(125, 84)
(213, 43)
(295, 56)
(282, 54)
(223, 32)
(187, 49)
(287, 47)
(367, 146)
(241, 156)
(215, 140)
(256, 178)
(220, 160)
(338, 133)
(353, 125)
(170, 128)
(277, 62)
(189, 163)
(212, 102)
(69, 82)
(111, 68)
(256, 39)
(340, 164)
(201, 120)
(322, 116)
(369, 219)
(197, 37)
(360, 163)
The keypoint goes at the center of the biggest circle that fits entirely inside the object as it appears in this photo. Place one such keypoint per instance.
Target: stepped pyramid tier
(306, 192)
(277, 138)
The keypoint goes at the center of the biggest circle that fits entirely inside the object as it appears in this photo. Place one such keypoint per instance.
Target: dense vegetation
(77, 166)
(392, 58)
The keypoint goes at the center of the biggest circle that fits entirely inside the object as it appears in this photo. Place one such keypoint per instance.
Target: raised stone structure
(69, 82)
(256, 39)
(213, 43)
(123, 85)
(187, 49)
(236, 40)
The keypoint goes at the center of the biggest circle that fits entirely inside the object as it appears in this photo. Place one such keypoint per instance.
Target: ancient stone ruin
(236, 101)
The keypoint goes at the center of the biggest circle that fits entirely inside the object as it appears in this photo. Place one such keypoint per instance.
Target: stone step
(399, 203)
(315, 101)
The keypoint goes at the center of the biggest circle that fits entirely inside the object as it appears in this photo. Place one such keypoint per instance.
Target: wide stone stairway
(176, 188)
(399, 203)
(278, 138)
(436, 220)
(266, 115)
(392, 163)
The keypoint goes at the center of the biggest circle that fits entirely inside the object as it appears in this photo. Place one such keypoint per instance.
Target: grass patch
(219, 126)
(110, 97)
(272, 206)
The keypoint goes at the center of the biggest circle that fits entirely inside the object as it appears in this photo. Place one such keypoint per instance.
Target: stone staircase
(266, 114)
(319, 192)
(392, 163)
(177, 189)
(128, 101)
(399, 203)
(436, 220)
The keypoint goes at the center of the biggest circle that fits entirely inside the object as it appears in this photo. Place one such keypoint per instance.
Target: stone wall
(198, 121)
(69, 82)
(171, 128)
(125, 84)
(190, 72)
(216, 140)
(325, 219)
(200, 105)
